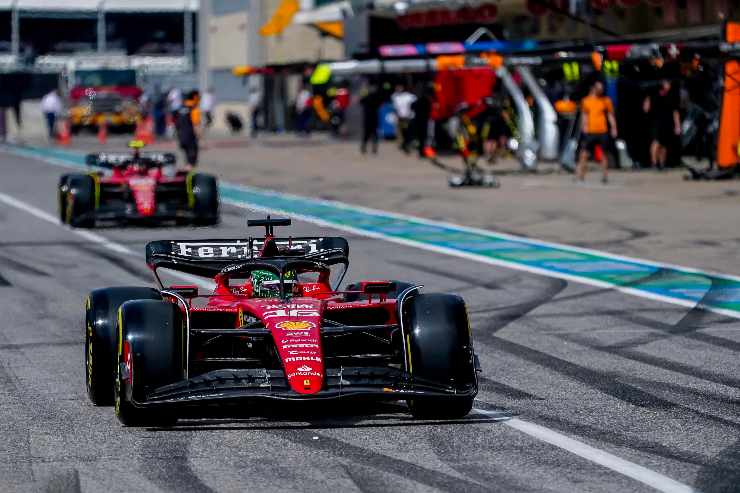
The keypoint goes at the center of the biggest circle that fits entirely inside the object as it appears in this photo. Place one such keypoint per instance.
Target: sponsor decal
(305, 246)
(304, 374)
(300, 346)
(295, 325)
(304, 368)
(286, 313)
(291, 306)
(296, 340)
(298, 333)
(295, 359)
(212, 250)
(239, 249)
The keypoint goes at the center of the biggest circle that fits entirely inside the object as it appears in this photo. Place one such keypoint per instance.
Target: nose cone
(296, 329)
(306, 379)
(299, 346)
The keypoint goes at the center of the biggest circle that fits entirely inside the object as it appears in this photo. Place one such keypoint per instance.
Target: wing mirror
(377, 287)
(184, 290)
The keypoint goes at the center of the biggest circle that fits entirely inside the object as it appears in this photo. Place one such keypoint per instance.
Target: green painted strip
(673, 284)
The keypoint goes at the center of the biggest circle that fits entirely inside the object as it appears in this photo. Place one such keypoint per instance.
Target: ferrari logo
(306, 382)
(295, 325)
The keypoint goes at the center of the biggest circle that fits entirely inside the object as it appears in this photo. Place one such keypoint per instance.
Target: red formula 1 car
(137, 186)
(270, 325)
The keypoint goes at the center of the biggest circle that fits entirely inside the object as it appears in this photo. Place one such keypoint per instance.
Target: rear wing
(111, 160)
(209, 257)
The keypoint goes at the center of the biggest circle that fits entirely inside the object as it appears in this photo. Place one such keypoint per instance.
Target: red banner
(482, 14)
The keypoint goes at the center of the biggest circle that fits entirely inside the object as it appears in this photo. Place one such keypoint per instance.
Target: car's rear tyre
(80, 198)
(149, 355)
(205, 199)
(101, 311)
(440, 350)
(62, 190)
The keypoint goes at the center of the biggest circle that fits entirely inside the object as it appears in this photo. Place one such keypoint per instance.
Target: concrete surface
(647, 214)
(650, 383)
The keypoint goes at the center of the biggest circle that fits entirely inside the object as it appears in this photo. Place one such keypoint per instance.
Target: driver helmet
(260, 290)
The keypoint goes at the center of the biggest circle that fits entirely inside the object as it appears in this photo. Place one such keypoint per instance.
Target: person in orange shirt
(597, 118)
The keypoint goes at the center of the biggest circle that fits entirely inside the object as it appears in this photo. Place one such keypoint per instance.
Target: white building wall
(227, 40)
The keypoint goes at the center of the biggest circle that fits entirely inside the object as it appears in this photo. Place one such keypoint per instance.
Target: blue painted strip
(673, 284)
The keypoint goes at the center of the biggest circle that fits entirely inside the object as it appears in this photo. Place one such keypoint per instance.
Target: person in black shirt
(666, 123)
(370, 105)
(494, 129)
(187, 123)
(422, 109)
(159, 111)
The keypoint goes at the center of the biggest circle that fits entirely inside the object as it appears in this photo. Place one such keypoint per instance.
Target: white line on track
(506, 264)
(635, 471)
(459, 253)
(93, 237)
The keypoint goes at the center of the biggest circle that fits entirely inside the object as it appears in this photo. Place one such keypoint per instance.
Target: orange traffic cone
(64, 136)
(149, 129)
(144, 131)
(102, 132)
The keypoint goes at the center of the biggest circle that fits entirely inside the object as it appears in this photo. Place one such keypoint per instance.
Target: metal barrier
(526, 151)
(548, 135)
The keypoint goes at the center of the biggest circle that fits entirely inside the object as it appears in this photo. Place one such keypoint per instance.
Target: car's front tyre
(205, 199)
(79, 208)
(440, 350)
(149, 355)
(62, 190)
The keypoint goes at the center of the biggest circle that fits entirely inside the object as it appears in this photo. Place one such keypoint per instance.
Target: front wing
(128, 212)
(222, 386)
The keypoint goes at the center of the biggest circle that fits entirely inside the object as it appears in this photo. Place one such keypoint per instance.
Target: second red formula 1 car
(272, 325)
(137, 186)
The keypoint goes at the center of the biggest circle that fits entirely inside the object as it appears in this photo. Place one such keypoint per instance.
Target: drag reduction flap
(112, 159)
(208, 257)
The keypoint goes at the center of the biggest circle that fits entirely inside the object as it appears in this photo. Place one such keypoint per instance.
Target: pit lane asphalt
(655, 384)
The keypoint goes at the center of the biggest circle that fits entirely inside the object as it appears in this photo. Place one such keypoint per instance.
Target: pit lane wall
(673, 284)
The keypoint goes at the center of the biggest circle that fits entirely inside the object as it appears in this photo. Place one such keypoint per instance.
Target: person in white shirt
(303, 110)
(174, 99)
(402, 101)
(51, 106)
(254, 103)
(207, 103)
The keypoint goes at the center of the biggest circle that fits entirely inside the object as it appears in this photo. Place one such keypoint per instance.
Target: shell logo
(295, 325)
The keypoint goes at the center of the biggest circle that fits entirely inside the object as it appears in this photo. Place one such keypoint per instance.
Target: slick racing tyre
(440, 351)
(149, 355)
(101, 310)
(62, 198)
(205, 199)
(80, 201)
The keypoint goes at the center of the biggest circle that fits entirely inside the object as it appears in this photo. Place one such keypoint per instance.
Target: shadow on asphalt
(318, 416)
